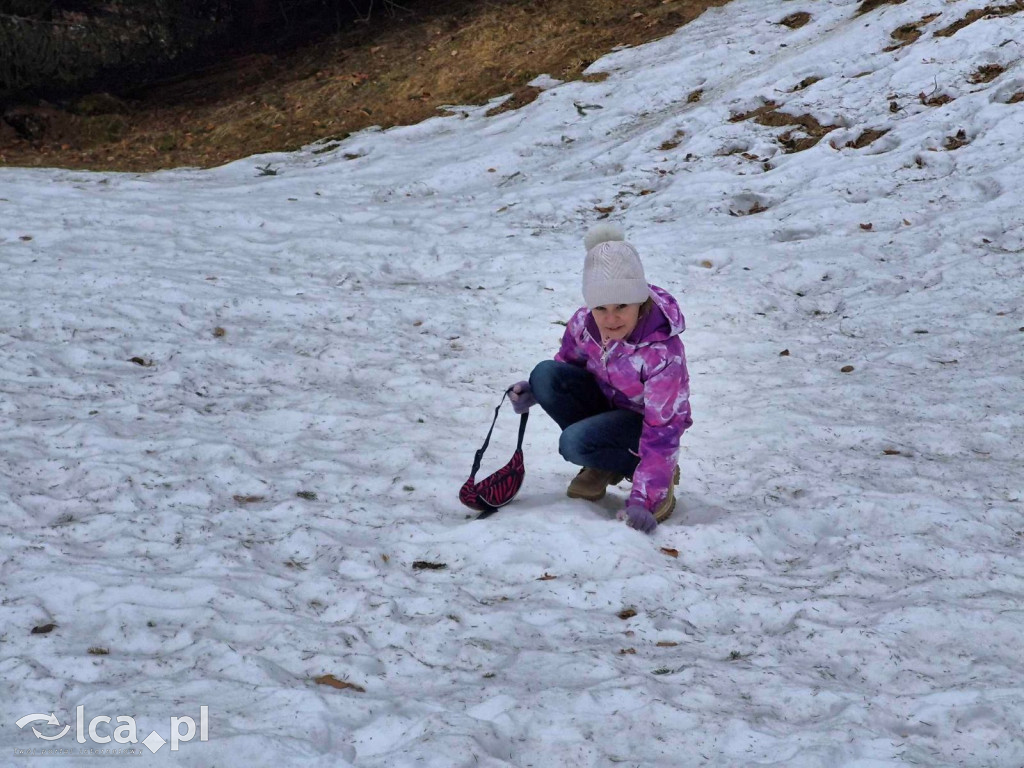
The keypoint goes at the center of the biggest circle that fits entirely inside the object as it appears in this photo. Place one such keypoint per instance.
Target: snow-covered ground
(317, 354)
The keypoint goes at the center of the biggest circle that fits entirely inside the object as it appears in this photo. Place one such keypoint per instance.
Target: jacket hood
(664, 321)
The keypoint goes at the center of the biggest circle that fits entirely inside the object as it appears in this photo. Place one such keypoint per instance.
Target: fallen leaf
(670, 552)
(784, 353)
(667, 644)
(847, 369)
(43, 629)
(307, 495)
(219, 332)
(604, 208)
(892, 452)
(627, 613)
(98, 652)
(867, 227)
(248, 499)
(707, 264)
(627, 652)
(25, 238)
(334, 682)
(140, 361)
(547, 577)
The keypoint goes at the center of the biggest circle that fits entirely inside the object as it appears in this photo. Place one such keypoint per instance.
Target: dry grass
(397, 72)
(992, 11)
(986, 74)
(869, 5)
(796, 20)
(910, 33)
(867, 138)
(805, 132)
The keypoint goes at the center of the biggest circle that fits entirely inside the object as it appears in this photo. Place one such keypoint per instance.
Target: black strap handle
(487, 440)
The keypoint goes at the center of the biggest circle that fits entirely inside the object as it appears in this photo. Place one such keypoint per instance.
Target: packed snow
(237, 406)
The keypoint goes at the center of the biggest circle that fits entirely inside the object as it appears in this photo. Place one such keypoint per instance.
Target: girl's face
(616, 321)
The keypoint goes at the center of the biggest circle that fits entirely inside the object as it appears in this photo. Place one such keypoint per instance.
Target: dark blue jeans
(594, 434)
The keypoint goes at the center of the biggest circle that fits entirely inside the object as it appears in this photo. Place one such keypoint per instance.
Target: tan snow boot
(664, 510)
(591, 484)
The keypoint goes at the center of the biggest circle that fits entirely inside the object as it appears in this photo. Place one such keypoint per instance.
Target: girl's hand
(521, 397)
(638, 517)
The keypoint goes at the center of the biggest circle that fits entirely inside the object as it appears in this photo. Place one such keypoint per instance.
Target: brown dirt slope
(394, 71)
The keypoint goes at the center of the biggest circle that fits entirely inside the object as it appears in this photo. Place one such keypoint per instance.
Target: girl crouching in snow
(618, 386)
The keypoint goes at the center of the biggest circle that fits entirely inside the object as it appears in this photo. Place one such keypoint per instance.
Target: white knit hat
(612, 272)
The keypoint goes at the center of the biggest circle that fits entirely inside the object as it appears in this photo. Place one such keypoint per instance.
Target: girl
(618, 386)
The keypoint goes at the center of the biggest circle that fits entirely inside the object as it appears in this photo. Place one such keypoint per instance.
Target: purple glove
(521, 397)
(638, 517)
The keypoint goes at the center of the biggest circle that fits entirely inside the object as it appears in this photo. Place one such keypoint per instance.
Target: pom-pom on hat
(612, 271)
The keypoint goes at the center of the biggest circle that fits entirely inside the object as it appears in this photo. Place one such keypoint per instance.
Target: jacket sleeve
(666, 417)
(571, 350)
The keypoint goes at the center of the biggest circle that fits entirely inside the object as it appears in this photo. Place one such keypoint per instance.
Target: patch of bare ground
(807, 82)
(867, 138)
(1017, 98)
(869, 5)
(909, 33)
(374, 74)
(934, 99)
(767, 108)
(805, 130)
(986, 74)
(992, 11)
(955, 142)
(675, 141)
(519, 98)
(796, 20)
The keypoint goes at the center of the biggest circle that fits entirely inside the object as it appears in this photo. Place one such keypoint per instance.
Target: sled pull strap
(522, 430)
(487, 440)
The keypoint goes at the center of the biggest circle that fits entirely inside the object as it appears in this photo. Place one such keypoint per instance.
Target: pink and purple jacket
(645, 373)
